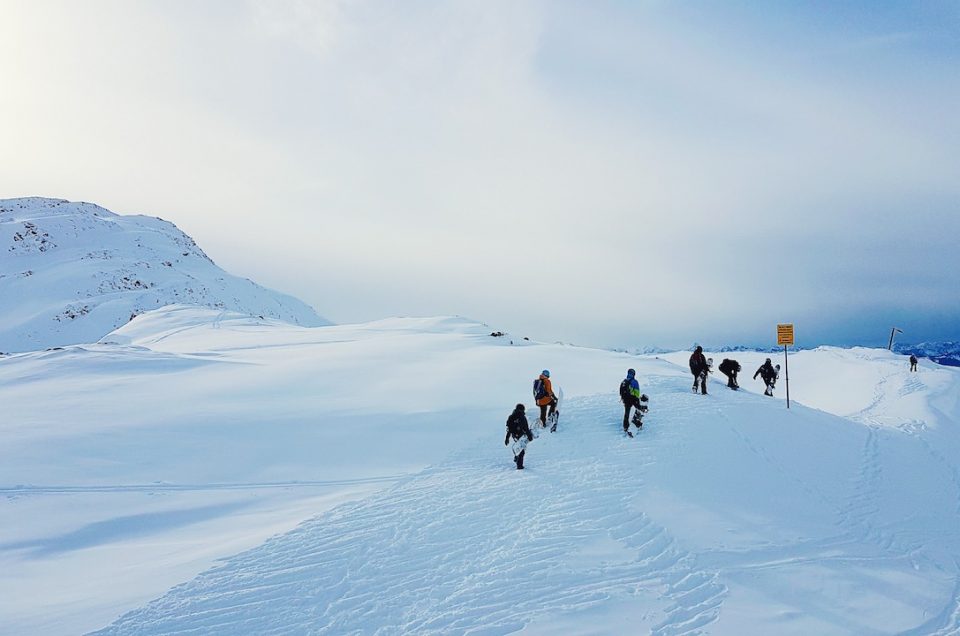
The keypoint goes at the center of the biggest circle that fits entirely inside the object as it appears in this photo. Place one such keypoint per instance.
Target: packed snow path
(472, 546)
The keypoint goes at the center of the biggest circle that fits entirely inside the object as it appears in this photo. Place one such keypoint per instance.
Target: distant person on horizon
(543, 393)
(913, 362)
(519, 430)
(699, 368)
(769, 373)
(730, 368)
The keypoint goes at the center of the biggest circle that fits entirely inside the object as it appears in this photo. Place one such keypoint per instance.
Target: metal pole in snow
(786, 372)
(893, 331)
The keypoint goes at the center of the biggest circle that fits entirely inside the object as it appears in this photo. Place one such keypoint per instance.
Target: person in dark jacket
(913, 362)
(730, 368)
(769, 373)
(699, 368)
(519, 430)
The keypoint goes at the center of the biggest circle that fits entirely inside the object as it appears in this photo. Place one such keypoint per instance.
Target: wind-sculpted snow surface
(727, 515)
(72, 272)
(465, 547)
(191, 434)
(254, 477)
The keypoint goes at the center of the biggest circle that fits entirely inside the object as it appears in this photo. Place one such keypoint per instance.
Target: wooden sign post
(785, 338)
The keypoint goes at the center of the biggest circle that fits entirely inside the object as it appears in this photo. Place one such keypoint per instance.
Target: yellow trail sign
(785, 335)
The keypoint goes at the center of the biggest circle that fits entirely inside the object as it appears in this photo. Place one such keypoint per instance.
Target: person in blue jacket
(631, 397)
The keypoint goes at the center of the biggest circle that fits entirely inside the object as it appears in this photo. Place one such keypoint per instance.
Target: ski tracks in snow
(859, 513)
(468, 546)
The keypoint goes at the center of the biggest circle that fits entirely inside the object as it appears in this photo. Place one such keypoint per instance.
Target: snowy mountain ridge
(946, 353)
(72, 272)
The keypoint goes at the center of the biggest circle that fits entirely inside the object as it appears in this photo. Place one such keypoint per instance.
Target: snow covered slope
(353, 479)
(73, 272)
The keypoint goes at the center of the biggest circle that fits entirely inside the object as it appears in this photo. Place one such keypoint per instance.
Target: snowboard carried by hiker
(730, 368)
(519, 431)
(700, 367)
(770, 374)
(632, 400)
(546, 400)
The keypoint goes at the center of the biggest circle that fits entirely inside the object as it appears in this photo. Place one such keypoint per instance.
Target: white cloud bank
(604, 174)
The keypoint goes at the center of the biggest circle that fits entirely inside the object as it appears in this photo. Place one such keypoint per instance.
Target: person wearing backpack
(543, 393)
(519, 430)
(699, 368)
(730, 368)
(769, 373)
(913, 362)
(631, 397)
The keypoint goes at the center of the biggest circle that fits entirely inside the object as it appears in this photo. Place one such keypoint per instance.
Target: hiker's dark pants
(634, 401)
(700, 379)
(552, 405)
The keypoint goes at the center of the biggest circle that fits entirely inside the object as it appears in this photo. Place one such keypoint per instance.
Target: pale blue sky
(606, 173)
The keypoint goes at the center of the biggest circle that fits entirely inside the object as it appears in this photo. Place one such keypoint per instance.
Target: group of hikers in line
(701, 367)
(518, 428)
(635, 402)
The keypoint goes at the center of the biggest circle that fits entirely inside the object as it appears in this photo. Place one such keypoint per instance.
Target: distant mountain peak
(72, 272)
